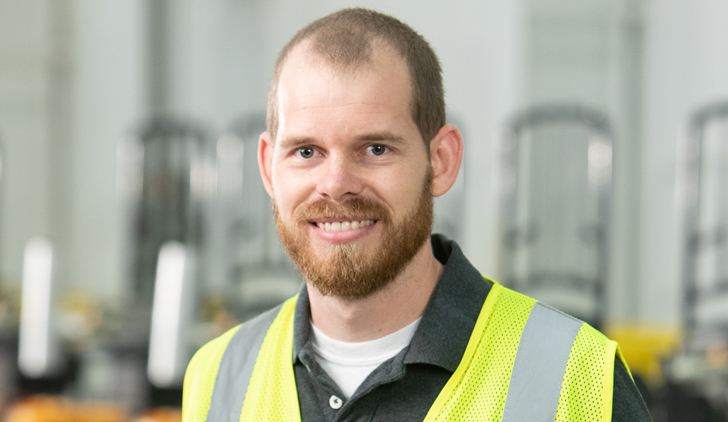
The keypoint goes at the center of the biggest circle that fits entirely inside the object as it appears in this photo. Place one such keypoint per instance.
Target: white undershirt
(348, 364)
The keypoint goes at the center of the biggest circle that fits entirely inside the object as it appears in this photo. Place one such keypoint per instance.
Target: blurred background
(134, 227)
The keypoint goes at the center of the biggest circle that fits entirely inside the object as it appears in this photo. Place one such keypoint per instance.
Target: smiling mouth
(342, 226)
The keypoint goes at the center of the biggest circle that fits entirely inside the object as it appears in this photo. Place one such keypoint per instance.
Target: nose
(339, 178)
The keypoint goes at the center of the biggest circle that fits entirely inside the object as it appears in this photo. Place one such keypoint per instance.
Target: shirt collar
(449, 317)
(301, 322)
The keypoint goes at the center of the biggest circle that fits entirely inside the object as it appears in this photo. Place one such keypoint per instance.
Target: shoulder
(585, 338)
(628, 404)
(212, 351)
(208, 356)
(595, 378)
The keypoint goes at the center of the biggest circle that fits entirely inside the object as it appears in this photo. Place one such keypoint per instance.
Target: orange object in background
(56, 409)
(160, 415)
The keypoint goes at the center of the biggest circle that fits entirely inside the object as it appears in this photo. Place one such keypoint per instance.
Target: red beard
(350, 271)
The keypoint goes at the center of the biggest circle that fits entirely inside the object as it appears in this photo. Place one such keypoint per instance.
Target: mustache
(353, 209)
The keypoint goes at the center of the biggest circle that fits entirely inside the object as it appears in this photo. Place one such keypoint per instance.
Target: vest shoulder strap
(541, 360)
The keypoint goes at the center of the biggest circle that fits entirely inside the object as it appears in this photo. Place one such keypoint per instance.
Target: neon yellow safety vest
(524, 362)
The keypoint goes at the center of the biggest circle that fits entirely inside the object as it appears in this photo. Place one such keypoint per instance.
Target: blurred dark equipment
(701, 368)
(705, 247)
(175, 185)
(679, 403)
(555, 197)
(256, 263)
(167, 179)
(2, 205)
(8, 326)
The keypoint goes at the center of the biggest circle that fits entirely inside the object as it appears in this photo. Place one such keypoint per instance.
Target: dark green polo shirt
(404, 387)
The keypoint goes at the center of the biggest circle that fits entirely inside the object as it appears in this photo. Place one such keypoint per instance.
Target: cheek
(403, 195)
(288, 193)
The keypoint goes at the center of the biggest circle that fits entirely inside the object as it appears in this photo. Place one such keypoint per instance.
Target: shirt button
(335, 402)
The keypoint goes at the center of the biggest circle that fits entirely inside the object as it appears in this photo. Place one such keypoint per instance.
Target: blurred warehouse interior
(134, 227)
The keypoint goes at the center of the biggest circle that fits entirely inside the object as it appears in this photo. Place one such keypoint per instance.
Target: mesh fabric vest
(481, 389)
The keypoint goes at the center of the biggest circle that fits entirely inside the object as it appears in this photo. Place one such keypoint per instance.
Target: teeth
(342, 226)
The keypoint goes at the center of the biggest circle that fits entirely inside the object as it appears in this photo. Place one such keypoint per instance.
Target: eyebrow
(381, 136)
(294, 142)
(367, 137)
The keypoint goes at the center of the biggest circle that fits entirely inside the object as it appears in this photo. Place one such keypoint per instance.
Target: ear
(265, 160)
(446, 154)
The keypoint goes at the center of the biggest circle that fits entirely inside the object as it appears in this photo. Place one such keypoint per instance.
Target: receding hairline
(314, 54)
(305, 48)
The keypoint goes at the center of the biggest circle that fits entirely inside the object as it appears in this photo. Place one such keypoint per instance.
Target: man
(392, 324)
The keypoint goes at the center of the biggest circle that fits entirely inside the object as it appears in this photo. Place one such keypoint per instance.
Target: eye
(376, 149)
(306, 152)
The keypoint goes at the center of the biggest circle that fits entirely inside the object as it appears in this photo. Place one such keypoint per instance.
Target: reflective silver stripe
(236, 367)
(538, 371)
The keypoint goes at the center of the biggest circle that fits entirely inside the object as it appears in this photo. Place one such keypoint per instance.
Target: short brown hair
(347, 38)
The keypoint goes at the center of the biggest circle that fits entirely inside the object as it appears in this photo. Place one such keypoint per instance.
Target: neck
(384, 312)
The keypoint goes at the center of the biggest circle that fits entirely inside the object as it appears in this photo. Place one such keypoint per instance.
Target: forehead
(311, 87)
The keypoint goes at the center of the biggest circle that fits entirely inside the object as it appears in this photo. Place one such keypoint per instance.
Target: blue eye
(306, 152)
(377, 149)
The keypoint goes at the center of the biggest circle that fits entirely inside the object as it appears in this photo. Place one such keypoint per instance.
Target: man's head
(346, 40)
(350, 177)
